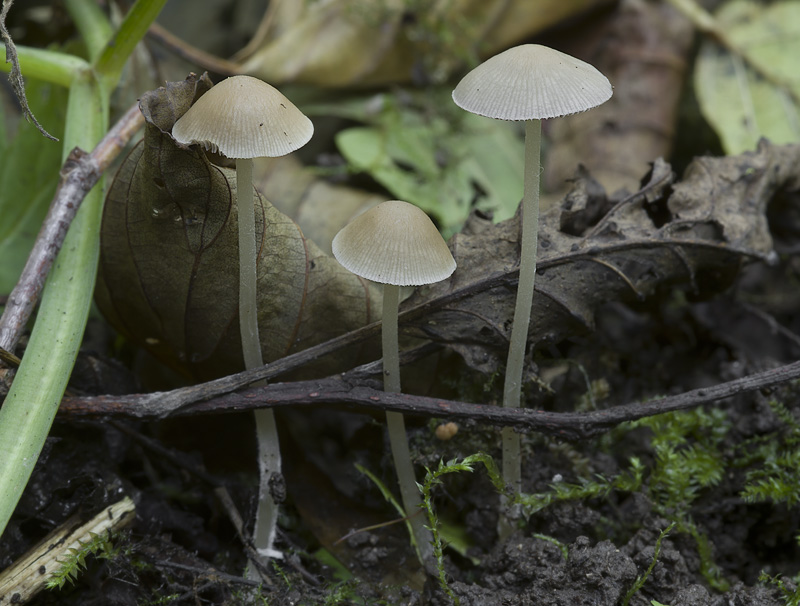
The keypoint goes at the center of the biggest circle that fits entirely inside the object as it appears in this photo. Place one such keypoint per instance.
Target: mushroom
(446, 431)
(530, 83)
(396, 244)
(244, 118)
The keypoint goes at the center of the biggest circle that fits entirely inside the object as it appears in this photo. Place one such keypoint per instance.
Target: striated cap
(531, 82)
(244, 117)
(394, 243)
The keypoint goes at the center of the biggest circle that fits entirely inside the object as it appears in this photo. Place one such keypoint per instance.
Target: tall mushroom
(530, 83)
(244, 118)
(396, 244)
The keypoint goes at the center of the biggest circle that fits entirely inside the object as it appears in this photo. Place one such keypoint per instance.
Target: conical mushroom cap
(244, 117)
(394, 243)
(531, 82)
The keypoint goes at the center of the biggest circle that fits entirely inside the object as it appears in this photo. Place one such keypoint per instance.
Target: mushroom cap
(244, 117)
(394, 243)
(530, 82)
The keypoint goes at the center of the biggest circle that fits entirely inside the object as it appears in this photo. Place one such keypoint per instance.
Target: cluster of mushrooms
(395, 243)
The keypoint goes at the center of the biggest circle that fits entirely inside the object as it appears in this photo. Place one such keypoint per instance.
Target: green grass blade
(50, 66)
(110, 63)
(93, 25)
(33, 400)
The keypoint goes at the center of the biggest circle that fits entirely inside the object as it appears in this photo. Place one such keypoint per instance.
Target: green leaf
(385, 492)
(28, 163)
(446, 162)
(746, 99)
(495, 162)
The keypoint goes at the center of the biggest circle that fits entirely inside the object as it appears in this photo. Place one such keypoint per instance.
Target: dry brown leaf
(693, 234)
(320, 208)
(642, 48)
(168, 275)
(343, 43)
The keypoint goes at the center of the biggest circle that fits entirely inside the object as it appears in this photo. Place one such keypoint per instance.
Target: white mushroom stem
(390, 340)
(512, 474)
(269, 454)
(248, 305)
(398, 440)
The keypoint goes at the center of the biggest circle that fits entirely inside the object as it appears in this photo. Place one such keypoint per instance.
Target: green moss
(432, 479)
(640, 580)
(99, 546)
(776, 458)
(789, 595)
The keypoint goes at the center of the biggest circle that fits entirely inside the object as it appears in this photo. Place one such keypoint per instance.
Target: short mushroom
(530, 83)
(244, 118)
(396, 244)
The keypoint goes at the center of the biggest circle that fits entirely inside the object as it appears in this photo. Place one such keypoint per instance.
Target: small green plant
(345, 592)
(99, 546)
(246, 596)
(387, 494)
(564, 549)
(599, 487)
(162, 600)
(790, 597)
(433, 478)
(776, 457)
(778, 453)
(33, 399)
(688, 459)
(641, 579)
(280, 572)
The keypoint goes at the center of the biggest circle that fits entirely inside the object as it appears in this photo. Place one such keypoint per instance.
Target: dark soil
(573, 552)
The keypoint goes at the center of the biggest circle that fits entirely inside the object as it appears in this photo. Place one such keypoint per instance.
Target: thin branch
(655, 182)
(263, 31)
(168, 402)
(358, 396)
(9, 358)
(191, 53)
(171, 401)
(775, 327)
(209, 573)
(15, 76)
(220, 490)
(80, 173)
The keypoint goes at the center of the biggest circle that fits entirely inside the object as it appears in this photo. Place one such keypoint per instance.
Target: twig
(262, 32)
(209, 573)
(15, 76)
(170, 401)
(9, 358)
(220, 490)
(31, 572)
(774, 326)
(340, 391)
(81, 171)
(191, 53)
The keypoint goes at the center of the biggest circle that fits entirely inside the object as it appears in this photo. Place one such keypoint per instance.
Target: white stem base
(512, 389)
(269, 454)
(398, 440)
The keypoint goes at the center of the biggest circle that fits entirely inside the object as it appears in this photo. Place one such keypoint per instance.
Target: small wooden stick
(30, 574)
(360, 396)
(191, 53)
